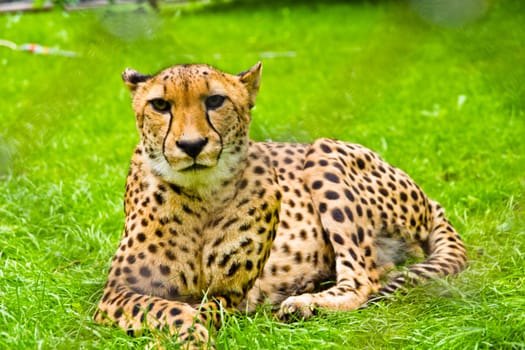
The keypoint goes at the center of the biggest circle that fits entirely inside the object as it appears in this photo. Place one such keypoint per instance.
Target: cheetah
(216, 221)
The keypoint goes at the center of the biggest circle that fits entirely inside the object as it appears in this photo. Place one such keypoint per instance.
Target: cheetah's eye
(214, 101)
(160, 105)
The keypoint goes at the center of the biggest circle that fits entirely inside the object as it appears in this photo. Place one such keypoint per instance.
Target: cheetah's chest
(187, 248)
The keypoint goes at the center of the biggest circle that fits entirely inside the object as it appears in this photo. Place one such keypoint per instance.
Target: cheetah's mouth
(195, 167)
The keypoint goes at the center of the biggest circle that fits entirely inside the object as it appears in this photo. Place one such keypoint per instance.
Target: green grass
(444, 103)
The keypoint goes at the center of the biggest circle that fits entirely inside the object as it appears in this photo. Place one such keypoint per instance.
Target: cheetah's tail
(446, 256)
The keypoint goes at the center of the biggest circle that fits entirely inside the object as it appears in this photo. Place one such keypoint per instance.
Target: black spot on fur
(331, 177)
(337, 215)
(338, 239)
(159, 198)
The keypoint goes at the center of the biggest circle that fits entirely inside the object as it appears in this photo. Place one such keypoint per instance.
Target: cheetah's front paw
(194, 337)
(297, 307)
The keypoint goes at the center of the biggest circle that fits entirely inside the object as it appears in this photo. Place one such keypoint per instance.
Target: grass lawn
(443, 101)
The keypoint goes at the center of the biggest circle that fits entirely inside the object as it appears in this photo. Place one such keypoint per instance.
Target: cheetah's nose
(192, 147)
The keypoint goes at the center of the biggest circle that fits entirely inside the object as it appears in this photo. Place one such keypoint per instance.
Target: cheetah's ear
(252, 80)
(132, 78)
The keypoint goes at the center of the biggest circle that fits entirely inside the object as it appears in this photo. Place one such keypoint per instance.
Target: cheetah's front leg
(353, 285)
(347, 231)
(135, 312)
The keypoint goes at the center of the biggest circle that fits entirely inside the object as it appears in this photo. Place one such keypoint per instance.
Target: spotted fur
(214, 220)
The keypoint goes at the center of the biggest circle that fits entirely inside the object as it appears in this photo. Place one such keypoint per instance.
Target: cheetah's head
(193, 121)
